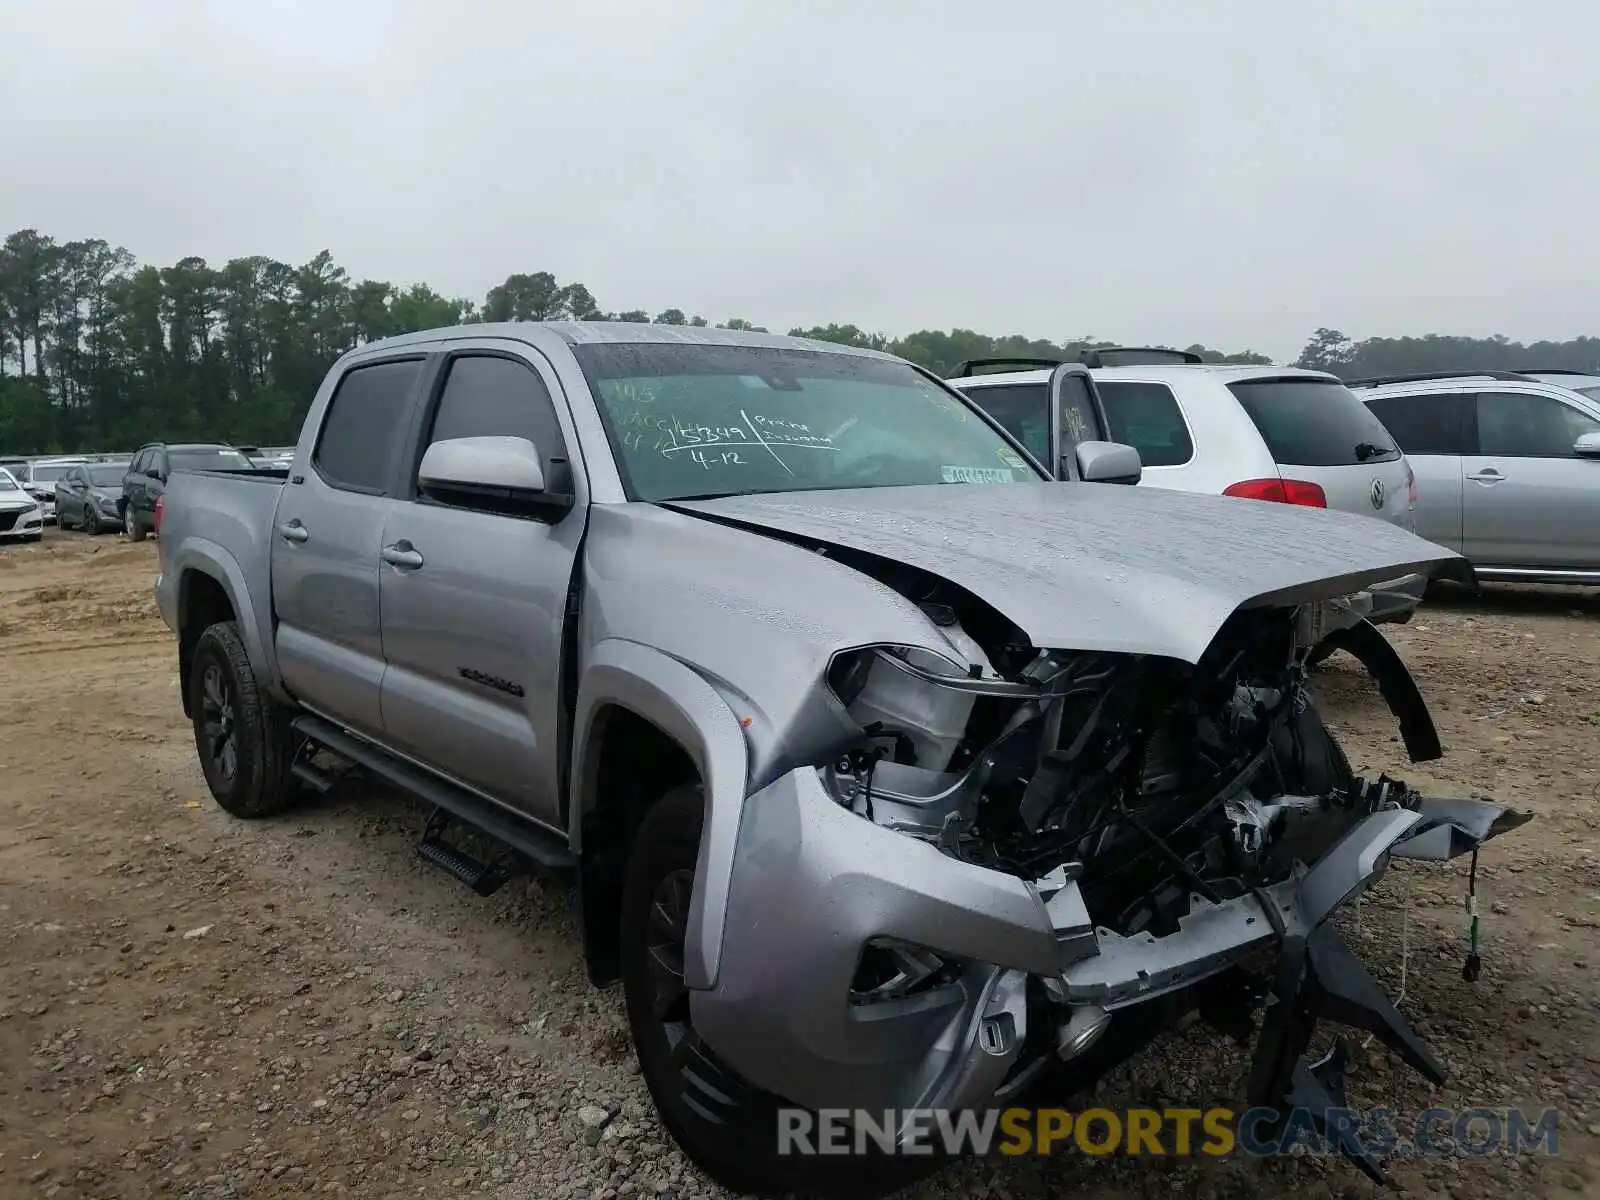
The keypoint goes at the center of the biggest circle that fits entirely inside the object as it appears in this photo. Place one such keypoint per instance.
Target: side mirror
(1108, 462)
(506, 472)
(1587, 446)
(1075, 415)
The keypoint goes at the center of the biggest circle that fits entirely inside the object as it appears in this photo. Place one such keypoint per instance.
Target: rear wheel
(243, 736)
(727, 1126)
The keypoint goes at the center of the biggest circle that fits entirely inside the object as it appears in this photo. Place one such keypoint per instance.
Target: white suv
(1261, 433)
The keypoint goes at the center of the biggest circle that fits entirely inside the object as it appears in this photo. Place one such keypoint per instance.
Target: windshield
(1309, 422)
(107, 474)
(695, 420)
(7, 483)
(50, 472)
(208, 460)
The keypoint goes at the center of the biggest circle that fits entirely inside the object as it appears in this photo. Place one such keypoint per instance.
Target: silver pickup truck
(897, 770)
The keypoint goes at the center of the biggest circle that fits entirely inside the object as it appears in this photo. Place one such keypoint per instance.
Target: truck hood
(1099, 566)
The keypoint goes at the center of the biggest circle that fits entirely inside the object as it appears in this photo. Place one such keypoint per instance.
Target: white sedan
(20, 518)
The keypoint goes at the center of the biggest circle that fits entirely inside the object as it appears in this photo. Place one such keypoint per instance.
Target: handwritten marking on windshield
(707, 461)
(765, 444)
(769, 449)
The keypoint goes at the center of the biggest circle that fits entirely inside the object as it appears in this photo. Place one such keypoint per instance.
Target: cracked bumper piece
(812, 885)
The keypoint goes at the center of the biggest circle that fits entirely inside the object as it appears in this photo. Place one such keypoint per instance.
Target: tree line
(99, 352)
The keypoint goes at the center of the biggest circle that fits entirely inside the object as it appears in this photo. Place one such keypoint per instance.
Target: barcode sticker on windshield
(977, 475)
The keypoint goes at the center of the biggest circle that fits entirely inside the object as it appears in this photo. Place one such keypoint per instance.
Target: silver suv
(1258, 432)
(1508, 466)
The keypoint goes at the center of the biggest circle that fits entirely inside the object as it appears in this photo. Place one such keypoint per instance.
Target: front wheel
(131, 526)
(728, 1127)
(243, 736)
(91, 520)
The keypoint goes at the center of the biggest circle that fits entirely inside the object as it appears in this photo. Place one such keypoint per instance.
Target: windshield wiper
(716, 495)
(1366, 450)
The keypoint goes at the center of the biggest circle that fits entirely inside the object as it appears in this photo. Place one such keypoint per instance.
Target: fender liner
(1395, 684)
(689, 710)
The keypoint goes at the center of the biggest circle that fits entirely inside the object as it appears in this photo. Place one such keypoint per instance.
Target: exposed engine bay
(1189, 826)
(1164, 779)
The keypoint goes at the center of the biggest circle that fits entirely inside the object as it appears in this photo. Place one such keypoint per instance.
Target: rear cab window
(365, 425)
(1314, 422)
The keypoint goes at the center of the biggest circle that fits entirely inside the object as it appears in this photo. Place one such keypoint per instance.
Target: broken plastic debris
(197, 933)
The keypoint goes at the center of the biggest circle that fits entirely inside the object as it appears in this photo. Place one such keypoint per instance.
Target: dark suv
(147, 477)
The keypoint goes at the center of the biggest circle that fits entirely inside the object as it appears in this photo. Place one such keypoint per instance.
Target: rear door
(71, 495)
(474, 596)
(326, 540)
(1319, 432)
(1432, 430)
(1528, 500)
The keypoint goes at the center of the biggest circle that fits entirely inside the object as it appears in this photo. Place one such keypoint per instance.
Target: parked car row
(1502, 467)
(96, 493)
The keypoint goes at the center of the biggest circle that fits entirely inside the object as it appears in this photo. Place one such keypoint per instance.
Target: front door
(1528, 500)
(325, 541)
(474, 599)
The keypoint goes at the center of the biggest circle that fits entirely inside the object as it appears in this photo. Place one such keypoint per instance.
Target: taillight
(161, 504)
(1283, 491)
(1411, 486)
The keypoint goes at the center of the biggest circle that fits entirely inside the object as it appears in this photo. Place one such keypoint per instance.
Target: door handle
(293, 531)
(1487, 475)
(402, 554)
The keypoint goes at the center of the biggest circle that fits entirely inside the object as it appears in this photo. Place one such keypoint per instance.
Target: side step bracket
(482, 877)
(542, 848)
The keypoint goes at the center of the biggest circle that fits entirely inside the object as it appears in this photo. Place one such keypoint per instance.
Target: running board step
(314, 778)
(482, 877)
(543, 848)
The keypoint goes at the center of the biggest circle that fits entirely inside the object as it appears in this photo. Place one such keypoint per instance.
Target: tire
(739, 1151)
(91, 521)
(243, 737)
(131, 526)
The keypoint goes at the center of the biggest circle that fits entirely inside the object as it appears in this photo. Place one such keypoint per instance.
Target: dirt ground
(199, 1007)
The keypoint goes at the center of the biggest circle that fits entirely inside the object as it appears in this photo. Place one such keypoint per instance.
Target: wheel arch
(645, 723)
(211, 588)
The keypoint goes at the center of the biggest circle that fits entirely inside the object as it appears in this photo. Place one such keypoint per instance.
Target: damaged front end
(1029, 861)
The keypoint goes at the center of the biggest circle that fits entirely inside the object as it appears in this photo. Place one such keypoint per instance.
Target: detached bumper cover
(812, 884)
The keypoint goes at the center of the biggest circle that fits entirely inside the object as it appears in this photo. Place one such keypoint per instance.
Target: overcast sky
(1232, 172)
